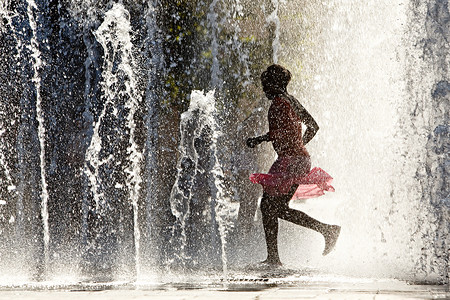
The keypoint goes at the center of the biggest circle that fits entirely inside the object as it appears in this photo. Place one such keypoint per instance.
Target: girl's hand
(252, 142)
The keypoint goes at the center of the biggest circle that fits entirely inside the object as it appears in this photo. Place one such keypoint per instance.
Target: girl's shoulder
(280, 104)
(282, 100)
(296, 105)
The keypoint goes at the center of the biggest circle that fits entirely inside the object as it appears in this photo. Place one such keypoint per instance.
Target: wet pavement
(242, 288)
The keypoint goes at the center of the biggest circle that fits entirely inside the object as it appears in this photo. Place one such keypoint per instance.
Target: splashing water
(220, 201)
(215, 71)
(354, 80)
(37, 65)
(4, 163)
(153, 94)
(116, 77)
(114, 36)
(274, 19)
(199, 190)
(195, 124)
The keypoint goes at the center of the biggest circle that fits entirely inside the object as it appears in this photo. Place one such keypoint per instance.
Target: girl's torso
(285, 128)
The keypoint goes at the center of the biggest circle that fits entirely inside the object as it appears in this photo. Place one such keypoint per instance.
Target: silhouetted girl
(290, 175)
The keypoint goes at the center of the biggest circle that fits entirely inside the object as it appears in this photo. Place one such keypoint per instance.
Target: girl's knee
(272, 205)
(265, 203)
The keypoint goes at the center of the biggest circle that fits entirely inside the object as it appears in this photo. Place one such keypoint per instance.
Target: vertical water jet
(37, 67)
(275, 20)
(198, 200)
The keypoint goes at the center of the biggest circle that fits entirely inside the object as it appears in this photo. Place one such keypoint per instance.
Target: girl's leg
(300, 218)
(273, 208)
(329, 232)
(270, 210)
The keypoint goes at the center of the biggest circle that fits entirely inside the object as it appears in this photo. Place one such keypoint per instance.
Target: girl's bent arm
(311, 126)
(253, 142)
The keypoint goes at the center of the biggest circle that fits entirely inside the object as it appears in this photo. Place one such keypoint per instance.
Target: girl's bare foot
(331, 236)
(272, 262)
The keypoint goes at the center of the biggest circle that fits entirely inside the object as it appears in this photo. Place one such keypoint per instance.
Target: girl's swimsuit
(293, 165)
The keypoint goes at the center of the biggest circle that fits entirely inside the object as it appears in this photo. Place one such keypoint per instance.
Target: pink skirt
(290, 170)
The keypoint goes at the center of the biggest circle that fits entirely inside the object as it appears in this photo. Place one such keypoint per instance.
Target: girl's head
(275, 79)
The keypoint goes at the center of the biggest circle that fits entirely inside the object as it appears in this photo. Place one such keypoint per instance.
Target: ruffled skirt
(294, 170)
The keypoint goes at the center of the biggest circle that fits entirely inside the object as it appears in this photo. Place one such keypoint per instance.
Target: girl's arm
(253, 142)
(311, 125)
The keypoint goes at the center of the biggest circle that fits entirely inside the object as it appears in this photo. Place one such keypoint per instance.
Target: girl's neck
(272, 94)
